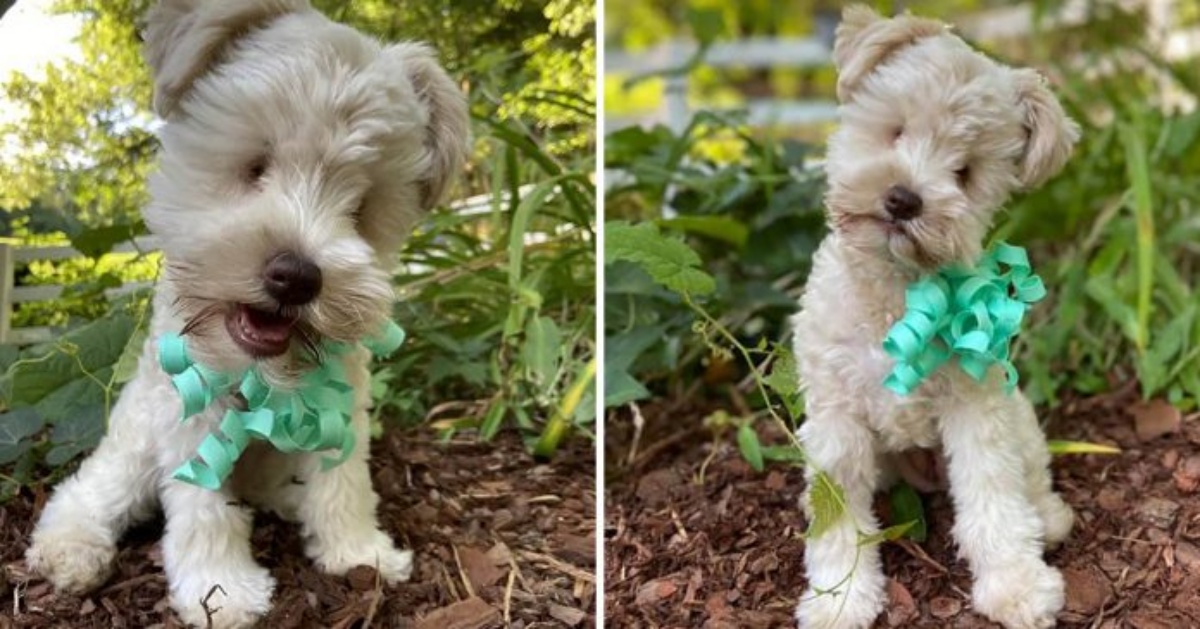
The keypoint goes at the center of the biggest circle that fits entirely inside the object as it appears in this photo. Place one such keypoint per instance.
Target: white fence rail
(13, 255)
(756, 53)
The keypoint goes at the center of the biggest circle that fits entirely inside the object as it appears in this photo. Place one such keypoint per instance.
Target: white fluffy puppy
(933, 138)
(296, 156)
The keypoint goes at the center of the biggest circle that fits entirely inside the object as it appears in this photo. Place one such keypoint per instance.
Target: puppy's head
(934, 137)
(296, 156)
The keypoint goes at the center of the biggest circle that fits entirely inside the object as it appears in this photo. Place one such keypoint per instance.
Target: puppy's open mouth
(260, 333)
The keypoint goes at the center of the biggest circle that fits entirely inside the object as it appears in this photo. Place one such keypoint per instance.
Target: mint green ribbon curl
(315, 416)
(971, 314)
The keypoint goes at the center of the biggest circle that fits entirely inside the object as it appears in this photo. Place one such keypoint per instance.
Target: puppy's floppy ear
(448, 129)
(184, 38)
(1052, 134)
(863, 40)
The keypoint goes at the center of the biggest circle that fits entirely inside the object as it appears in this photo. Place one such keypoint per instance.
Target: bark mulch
(500, 539)
(729, 552)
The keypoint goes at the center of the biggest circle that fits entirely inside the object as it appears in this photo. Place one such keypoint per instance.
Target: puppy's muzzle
(902, 204)
(292, 280)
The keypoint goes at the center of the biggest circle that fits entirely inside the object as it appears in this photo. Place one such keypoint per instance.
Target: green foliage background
(1113, 235)
(498, 304)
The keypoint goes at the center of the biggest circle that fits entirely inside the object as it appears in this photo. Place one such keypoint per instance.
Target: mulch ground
(500, 539)
(729, 552)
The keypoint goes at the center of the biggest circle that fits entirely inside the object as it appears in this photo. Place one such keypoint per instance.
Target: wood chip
(472, 613)
(480, 568)
(362, 578)
(901, 606)
(1154, 419)
(1087, 590)
(567, 615)
(944, 607)
(654, 591)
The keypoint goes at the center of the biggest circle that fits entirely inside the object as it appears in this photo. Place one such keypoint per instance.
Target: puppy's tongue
(259, 332)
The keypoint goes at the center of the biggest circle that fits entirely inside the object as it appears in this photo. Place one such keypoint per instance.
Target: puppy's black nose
(292, 280)
(903, 204)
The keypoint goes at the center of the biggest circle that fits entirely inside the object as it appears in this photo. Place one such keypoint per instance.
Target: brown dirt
(495, 533)
(729, 553)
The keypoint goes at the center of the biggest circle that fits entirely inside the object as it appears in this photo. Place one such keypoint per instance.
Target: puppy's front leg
(76, 536)
(207, 544)
(845, 578)
(998, 529)
(337, 511)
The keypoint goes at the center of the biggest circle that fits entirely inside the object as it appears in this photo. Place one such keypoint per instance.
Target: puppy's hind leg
(997, 527)
(337, 513)
(845, 578)
(75, 539)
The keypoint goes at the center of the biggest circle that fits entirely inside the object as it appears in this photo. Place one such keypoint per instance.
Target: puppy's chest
(902, 422)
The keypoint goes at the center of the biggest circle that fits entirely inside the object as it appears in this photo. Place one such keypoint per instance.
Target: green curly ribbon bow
(969, 313)
(315, 416)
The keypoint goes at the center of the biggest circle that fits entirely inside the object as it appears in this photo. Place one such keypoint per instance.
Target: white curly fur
(283, 132)
(918, 106)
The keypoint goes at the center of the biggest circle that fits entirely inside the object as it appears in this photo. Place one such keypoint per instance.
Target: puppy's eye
(357, 214)
(963, 175)
(254, 170)
(897, 133)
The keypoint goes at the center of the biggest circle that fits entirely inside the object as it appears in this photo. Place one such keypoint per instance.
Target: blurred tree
(78, 153)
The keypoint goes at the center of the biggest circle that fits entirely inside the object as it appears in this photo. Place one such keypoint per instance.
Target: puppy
(933, 138)
(297, 154)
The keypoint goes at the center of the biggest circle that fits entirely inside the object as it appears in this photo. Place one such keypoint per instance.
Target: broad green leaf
(828, 503)
(88, 348)
(669, 261)
(750, 447)
(783, 379)
(76, 435)
(127, 364)
(908, 509)
(15, 429)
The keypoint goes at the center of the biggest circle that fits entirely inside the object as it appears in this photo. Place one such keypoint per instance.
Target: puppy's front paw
(1027, 596)
(843, 610)
(378, 552)
(244, 597)
(74, 560)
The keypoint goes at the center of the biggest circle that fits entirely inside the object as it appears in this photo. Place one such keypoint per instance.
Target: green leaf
(97, 241)
(76, 435)
(541, 351)
(828, 503)
(492, 421)
(783, 454)
(890, 534)
(783, 379)
(907, 508)
(15, 429)
(1057, 446)
(720, 228)
(88, 348)
(707, 23)
(669, 261)
(750, 447)
(127, 364)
